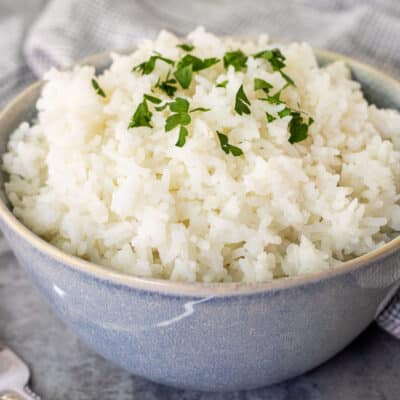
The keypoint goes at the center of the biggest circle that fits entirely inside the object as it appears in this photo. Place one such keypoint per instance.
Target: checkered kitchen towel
(37, 34)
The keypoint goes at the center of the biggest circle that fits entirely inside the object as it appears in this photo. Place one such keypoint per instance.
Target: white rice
(131, 200)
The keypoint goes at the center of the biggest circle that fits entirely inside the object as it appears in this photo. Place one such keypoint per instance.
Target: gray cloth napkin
(38, 34)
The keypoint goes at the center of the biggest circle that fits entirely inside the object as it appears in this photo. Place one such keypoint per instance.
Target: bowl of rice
(209, 213)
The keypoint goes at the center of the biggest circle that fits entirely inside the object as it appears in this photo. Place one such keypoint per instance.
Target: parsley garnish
(189, 64)
(274, 57)
(235, 58)
(274, 99)
(152, 99)
(285, 112)
(222, 84)
(181, 117)
(141, 117)
(147, 67)
(270, 118)
(183, 132)
(287, 78)
(180, 108)
(97, 88)
(179, 105)
(168, 86)
(177, 119)
(262, 84)
(198, 63)
(298, 128)
(202, 109)
(242, 103)
(186, 47)
(184, 75)
(277, 61)
(228, 148)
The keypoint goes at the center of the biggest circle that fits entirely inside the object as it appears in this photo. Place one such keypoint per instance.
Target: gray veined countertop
(63, 368)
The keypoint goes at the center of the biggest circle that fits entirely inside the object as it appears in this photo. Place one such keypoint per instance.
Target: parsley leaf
(167, 86)
(206, 63)
(189, 64)
(181, 117)
(141, 117)
(262, 84)
(152, 99)
(202, 109)
(275, 98)
(285, 112)
(184, 75)
(162, 107)
(222, 84)
(242, 103)
(270, 118)
(183, 132)
(277, 61)
(228, 148)
(186, 47)
(197, 63)
(298, 128)
(147, 67)
(97, 88)
(235, 58)
(274, 57)
(177, 119)
(287, 78)
(180, 105)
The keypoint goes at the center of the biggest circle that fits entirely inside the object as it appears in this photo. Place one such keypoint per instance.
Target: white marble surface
(63, 368)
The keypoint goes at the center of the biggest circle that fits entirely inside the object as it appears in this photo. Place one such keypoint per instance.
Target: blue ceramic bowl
(212, 337)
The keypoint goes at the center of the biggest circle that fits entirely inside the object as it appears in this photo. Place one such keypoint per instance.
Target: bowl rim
(194, 289)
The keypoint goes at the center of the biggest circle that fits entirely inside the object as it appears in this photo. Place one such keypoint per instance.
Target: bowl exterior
(212, 343)
(219, 341)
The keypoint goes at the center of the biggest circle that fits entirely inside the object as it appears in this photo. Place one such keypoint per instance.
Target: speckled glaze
(213, 337)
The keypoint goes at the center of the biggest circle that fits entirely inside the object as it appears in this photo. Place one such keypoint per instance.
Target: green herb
(183, 132)
(148, 66)
(180, 105)
(235, 58)
(228, 148)
(184, 75)
(270, 118)
(298, 128)
(274, 57)
(287, 78)
(162, 107)
(168, 86)
(197, 63)
(242, 103)
(202, 109)
(285, 112)
(222, 84)
(189, 64)
(277, 61)
(175, 120)
(262, 84)
(97, 88)
(186, 47)
(152, 99)
(141, 117)
(274, 99)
